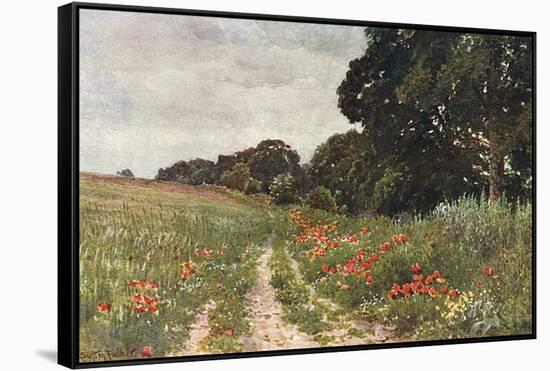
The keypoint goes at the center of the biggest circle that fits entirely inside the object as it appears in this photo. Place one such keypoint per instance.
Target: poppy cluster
(146, 303)
(186, 270)
(146, 298)
(433, 285)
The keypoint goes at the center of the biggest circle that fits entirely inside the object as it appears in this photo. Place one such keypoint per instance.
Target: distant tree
(321, 198)
(283, 189)
(125, 173)
(239, 178)
(197, 171)
(271, 158)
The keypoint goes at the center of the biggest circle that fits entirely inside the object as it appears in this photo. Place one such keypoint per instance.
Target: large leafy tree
(483, 86)
(423, 100)
(412, 162)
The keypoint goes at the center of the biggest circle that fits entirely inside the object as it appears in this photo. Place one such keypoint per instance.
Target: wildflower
(453, 293)
(364, 231)
(138, 298)
(140, 309)
(393, 294)
(369, 281)
(153, 285)
(386, 246)
(418, 277)
(133, 283)
(488, 271)
(146, 351)
(104, 307)
(478, 283)
(346, 287)
(444, 289)
(229, 332)
(416, 268)
(437, 274)
(326, 268)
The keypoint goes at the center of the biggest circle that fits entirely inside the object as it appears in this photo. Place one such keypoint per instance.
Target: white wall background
(28, 155)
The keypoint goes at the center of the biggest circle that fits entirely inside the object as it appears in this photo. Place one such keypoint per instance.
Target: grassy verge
(463, 271)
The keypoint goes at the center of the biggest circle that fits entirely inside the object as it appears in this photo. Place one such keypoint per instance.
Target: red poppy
(386, 246)
(374, 257)
(433, 292)
(488, 271)
(418, 277)
(416, 268)
(187, 265)
(393, 294)
(444, 289)
(332, 269)
(133, 283)
(382, 254)
(229, 332)
(138, 298)
(453, 293)
(140, 309)
(429, 280)
(146, 351)
(326, 268)
(153, 285)
(367, 274)
(104, 307)
(369, 281)
(437, 274)
(478, 283)
(142, 283)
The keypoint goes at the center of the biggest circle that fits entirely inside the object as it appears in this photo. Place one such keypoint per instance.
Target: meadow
(169, 269)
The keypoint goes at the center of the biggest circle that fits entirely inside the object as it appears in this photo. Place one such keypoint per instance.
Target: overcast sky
(155, 89)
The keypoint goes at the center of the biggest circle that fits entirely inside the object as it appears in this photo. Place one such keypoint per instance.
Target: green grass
(136, 233)
(144, 230)
(459, 240)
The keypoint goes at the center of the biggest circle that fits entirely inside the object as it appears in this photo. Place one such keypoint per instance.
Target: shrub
(239, 178)
(283, 190)
(321, 198)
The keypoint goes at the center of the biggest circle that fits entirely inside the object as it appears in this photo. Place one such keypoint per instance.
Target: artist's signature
(108, 354)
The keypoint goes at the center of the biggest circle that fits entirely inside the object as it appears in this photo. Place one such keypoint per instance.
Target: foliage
(321, 198)
(239, 178)
(283, 189)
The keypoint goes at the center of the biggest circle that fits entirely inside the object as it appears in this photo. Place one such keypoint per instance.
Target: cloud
(156, 88)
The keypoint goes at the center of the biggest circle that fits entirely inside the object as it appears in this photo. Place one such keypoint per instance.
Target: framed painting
(239, 185)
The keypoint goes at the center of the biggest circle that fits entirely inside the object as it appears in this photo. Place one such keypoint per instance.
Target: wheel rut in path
(268, 329)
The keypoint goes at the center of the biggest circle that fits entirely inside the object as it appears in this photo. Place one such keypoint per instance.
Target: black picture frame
(68, 183)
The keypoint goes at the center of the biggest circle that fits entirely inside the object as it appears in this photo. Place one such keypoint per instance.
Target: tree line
(442, 114)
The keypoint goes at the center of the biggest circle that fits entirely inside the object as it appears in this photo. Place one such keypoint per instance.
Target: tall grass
(145, 234)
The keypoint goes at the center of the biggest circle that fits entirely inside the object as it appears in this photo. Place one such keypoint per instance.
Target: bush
(239, 178)
(283, 189)
(321, 198)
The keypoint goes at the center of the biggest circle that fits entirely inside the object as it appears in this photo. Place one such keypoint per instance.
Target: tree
(333, 163)
(283, 189)
(409, 149)
(321, 198)
(271, 158)
(417, 115)
(483, 84)
(125, 173)
(197, 171)
(239, 178)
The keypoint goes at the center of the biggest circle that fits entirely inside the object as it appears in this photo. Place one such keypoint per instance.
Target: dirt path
(198, 331)
(346, 330)
(269, 331)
